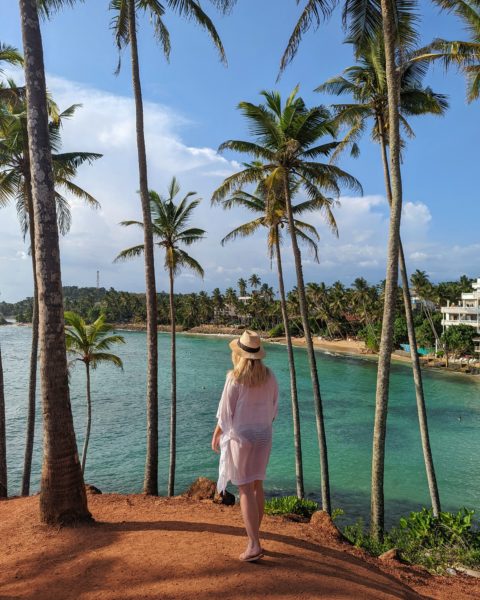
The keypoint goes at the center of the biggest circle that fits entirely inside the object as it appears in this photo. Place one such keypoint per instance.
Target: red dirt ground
(178, 549)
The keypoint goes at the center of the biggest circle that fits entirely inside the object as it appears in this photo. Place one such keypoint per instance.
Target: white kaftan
(245, 416)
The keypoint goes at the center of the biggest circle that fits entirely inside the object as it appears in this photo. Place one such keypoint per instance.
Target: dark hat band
(247, 348)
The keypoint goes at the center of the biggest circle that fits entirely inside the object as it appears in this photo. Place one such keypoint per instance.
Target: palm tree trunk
(150, 485)
(3, 437)
(293, 376)
(173, 409)
(32, 386)
(89, 419)
(412, 340)
(377, 518)
(62, 497)
(317, 399)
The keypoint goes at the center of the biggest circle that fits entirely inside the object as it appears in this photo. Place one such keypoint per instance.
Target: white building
(418, 302)
(467, 312)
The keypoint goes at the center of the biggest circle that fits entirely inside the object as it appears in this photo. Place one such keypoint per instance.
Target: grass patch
(290, 505)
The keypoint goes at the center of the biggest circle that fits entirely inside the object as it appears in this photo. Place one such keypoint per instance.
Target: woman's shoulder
(231, 379)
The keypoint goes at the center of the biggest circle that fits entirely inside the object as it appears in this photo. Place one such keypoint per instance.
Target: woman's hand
(216, 439)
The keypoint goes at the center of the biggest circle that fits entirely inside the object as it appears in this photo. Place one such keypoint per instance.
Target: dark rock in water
(225, 498)
(91, 489)
(3, 320)
(206, 489)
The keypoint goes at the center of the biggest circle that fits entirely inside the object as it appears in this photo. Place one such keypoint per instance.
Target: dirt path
(156, 548)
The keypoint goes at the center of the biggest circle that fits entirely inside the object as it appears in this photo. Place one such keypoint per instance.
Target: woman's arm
(216, 439)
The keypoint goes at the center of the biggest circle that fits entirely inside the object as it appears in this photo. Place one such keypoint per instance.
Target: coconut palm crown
(366, 83)
(465, 55)
(190, 10)
(169, 227)
(272, 215)
(286, 141)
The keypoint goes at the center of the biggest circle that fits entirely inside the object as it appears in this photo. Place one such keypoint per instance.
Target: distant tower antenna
(98, 280)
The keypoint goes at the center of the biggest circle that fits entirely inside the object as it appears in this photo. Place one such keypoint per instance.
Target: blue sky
(191, 109)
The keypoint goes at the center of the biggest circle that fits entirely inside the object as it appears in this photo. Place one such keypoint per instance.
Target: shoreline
(349, 347)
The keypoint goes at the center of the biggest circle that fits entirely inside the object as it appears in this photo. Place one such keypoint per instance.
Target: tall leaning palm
(62, 495)
(3, 437)
(288, 139)
(365, 20)
(9, 55)
(125, 23)
(15, 185)
(272, 215)
(90, 344)
(366, 83)
(170, 232)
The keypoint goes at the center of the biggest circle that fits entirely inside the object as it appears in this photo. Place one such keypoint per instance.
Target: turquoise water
(117, 447)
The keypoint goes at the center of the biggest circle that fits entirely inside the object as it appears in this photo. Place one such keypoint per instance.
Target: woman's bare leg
(260, 498)
(249, 507)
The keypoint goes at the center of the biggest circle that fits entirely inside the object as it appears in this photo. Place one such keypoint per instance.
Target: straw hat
(248, 345)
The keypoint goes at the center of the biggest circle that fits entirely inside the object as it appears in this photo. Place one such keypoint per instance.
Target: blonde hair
(249, 372)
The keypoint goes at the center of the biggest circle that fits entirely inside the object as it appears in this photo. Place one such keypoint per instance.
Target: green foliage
(424, 333)
(371, 334)
(436, 543)
(290, 505)
(459, 339)
(357, 535)
(277, 331)
(400, 333)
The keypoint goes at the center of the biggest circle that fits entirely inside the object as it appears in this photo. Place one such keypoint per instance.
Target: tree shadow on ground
(110, 560)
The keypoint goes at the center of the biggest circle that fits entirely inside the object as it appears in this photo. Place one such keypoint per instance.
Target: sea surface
(116, 453)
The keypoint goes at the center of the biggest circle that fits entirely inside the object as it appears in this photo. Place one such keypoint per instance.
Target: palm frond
(313, 14)
(245, 230)
(129, 253)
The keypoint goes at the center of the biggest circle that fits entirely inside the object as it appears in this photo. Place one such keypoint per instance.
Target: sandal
(252, 558)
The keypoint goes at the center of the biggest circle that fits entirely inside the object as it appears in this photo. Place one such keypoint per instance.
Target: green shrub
(290, 505)
(371, 334)
(277, 331)
(422, 539)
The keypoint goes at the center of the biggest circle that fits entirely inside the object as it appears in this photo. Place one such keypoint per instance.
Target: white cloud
(106, 124)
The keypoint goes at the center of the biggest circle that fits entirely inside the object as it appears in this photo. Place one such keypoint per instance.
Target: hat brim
(234, 347)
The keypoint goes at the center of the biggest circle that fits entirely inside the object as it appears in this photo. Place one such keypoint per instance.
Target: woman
(243, 434)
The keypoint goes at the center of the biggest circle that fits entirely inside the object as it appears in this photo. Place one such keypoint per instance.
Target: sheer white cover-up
(245, 416)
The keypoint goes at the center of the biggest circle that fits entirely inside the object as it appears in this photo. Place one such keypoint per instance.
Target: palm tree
(242, 287)
(366, 82)
(365, 20)
(254, 281)
(62, 497)
(218, 304)
(90, 344)
(285, 138)
(272, 216)
(169, 228)
(15, 184)
(10, 55)
(125, 29)
(3, 437)
(463, 54)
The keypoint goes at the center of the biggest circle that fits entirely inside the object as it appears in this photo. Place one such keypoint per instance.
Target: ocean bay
(116, 453)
